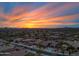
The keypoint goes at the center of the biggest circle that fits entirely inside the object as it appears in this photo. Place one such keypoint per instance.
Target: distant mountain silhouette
(68, 27)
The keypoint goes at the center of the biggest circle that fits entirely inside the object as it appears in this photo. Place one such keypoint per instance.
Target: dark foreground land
(39, 42)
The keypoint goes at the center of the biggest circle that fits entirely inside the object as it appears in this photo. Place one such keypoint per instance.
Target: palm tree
(40, 47)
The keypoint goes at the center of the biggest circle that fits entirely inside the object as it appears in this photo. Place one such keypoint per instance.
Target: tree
(29, 54)
(71, 50)
(62, 46)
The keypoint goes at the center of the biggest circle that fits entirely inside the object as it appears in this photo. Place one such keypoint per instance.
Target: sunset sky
(39, 14)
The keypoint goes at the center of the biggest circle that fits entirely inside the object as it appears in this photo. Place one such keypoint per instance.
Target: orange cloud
(39, 17)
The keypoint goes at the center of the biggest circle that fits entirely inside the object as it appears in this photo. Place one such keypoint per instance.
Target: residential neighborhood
(39, 42)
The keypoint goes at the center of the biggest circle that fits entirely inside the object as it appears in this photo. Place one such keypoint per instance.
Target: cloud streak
(46, 16)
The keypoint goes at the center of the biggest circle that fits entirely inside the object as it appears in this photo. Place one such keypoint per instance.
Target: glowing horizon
(39, 14)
